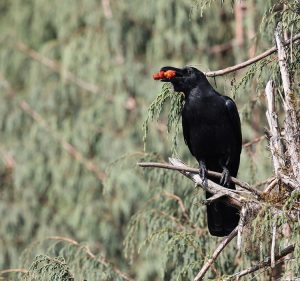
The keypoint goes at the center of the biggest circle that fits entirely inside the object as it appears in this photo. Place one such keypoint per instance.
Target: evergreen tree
(75, 81)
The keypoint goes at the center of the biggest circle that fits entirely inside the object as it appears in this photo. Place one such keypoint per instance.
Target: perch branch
(250, 61)
(262, 264)
(193, 170)
(215, 254)
(231, 198)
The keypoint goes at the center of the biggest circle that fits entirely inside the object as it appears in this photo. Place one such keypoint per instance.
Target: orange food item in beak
(169, 74)
(159, 75)
(164, 74)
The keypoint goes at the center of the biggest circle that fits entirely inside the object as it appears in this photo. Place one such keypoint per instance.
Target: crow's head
(183, 79)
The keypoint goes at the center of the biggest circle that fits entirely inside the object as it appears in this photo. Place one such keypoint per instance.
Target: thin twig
(255, 141)
(262, 264)
(87, 250)
(180, 203)
(273, 244)
(13, 270)
(250, 61)
(263, 182)
(215, 254)
(193, 170)
(272, 184)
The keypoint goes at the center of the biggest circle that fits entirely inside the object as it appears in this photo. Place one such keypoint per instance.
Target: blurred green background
(75, 84)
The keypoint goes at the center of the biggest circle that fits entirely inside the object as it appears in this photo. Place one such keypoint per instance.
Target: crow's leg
(225, 178)
(203, 172)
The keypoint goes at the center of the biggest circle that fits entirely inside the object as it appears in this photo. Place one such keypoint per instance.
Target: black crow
(212, 131)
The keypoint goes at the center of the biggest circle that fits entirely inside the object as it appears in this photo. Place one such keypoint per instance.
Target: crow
(212, 131)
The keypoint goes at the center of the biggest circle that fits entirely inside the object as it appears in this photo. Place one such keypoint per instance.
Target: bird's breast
(207, 126)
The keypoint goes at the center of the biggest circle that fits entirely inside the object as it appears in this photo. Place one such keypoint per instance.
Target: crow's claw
(203, 172)
(225, 178)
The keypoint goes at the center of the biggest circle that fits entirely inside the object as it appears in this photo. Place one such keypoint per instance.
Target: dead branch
(262, 264)
(291, 127)
(254, 141)
(250, 61)
(273, 245)
(180, 203)
(215, 254)
(275, 143)
(185, 168)
(242, 223)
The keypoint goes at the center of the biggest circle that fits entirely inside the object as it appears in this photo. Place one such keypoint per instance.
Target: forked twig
(262, 264)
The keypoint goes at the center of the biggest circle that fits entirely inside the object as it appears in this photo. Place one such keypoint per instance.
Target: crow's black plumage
(212, 131)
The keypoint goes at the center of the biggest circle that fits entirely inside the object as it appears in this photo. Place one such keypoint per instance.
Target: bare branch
(180, 203)
(215, 254)
(273, 245)
(193, 170)
(255, 141)
(272, 184)
(290, 182)
(250, 61)
(262, 264)
(231, 198)
(276, 145)
(242, 222)
(291, 127)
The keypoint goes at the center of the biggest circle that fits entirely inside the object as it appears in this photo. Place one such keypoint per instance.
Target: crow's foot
(225, 178)
(203, 172)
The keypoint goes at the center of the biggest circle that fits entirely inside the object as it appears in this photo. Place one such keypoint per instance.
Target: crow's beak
(167, 74)
(177, 71)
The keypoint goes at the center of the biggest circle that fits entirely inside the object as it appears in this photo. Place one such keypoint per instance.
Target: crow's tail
(221, 218)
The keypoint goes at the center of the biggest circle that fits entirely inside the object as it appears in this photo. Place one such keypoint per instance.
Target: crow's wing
(186, 132)
(235, 120)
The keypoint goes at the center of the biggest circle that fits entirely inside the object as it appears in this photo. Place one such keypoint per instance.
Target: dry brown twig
(250, 61)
